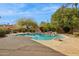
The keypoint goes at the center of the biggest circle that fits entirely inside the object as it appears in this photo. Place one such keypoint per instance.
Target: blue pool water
(41, 36)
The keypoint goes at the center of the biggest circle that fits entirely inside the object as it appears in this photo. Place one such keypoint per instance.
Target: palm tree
(73, 4)
(76, 5)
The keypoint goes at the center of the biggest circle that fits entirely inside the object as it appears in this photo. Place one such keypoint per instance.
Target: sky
(11, 12)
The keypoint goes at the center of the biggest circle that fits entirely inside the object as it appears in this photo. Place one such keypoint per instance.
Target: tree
(65, 18)
(27, 24)
(44, 27)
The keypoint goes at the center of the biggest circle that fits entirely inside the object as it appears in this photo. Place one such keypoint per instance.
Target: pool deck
(24, 46)
(69, 46)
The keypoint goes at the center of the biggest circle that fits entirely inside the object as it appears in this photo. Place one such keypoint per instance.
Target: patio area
(24, 46)
(68, 45)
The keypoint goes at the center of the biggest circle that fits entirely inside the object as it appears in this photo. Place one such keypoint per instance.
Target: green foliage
(65, 19)
(7, 31)
(44, 27)
(26, 25)
(2, 33)
(14, 31)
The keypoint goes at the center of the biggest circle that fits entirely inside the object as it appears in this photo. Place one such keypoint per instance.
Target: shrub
(7, 31)
(19, 30)
(2, 33)
(66, 29)
(32, 30)
(53, 29)
(14, 30)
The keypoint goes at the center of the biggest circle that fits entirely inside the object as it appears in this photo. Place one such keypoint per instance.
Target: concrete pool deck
(69, 45)
(24, 46)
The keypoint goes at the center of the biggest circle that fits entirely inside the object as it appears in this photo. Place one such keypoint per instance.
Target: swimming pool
(37, 36)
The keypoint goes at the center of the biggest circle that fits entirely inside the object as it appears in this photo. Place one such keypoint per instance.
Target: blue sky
(10, 13)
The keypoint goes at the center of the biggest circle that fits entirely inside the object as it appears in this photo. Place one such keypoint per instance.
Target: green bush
(7, 31)
(32, 30)
(53, 29)
(2, 33)
(19, 30)
(14, 31)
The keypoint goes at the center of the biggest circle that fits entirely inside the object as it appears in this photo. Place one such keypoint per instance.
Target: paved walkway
(69, 45)
(23, 46)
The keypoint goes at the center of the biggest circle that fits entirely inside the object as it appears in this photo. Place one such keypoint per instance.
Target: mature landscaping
(64, 20)
(27, 36)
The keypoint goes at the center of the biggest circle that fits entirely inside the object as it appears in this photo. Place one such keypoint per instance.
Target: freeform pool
(37, 36)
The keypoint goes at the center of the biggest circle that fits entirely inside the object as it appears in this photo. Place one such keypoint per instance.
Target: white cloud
(28, 13)
(11, 9)
(49, 8)
(7, 12)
